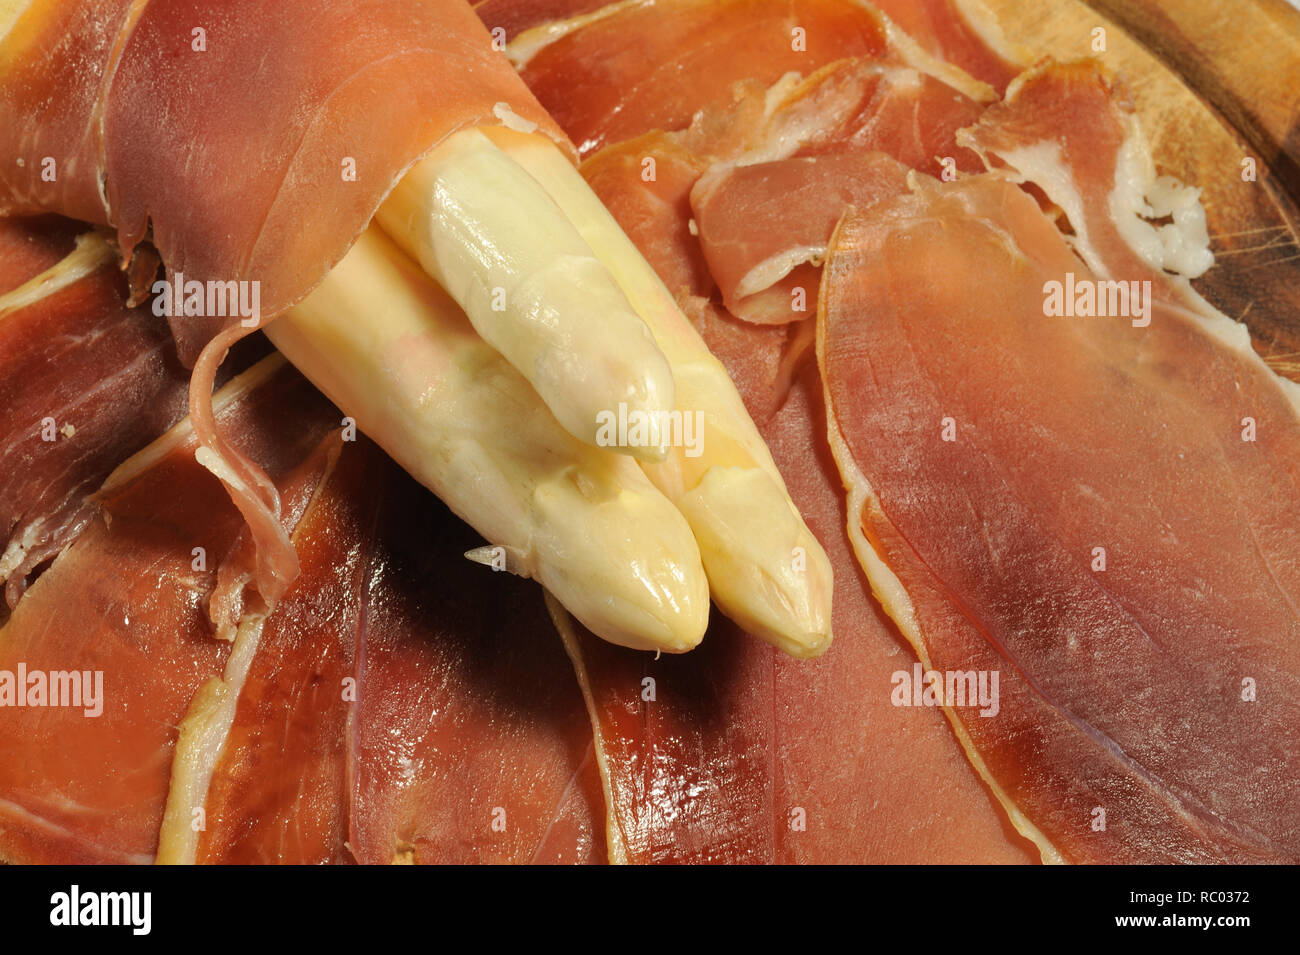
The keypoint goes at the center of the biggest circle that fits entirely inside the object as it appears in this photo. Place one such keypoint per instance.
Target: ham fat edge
(379, 700)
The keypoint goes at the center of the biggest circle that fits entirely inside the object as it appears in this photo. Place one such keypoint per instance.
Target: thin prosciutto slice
(84, 383)
(764, 227)
(231, 160)
(844, 136)
(730, 72)
(1104, 512)
(129, 599)
(405, 704)
(1068, 130)
(247, 141)
(629, 68)
(769, 174)
(960, 32)
(388, 709)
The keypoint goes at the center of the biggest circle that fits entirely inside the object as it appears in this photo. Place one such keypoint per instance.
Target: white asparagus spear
(493, 239)
(766, 569)
(388, 346)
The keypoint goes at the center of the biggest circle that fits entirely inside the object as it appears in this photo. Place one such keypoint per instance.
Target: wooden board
(1214, 83)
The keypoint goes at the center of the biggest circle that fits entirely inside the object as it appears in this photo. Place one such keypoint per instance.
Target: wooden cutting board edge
(1213, 84)
(1242, 59)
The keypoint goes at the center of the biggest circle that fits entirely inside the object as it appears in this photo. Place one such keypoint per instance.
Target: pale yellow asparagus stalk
(391, 349)
(495, 241)
(766, 569)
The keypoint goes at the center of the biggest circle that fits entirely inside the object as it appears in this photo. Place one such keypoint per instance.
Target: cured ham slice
(769, 175)
(627, 68)
(30, 246)
(664, 805)
(516, 16)
(492, 758)
(633, 67)
(960, 32)
(84, 382)
(1080, 505)
(737, 754)
(230, 160)
(441, 725)
(280, 757)
(764, 217)
(759, 224)
(1065, 130)
(169, 121)
(125, 600)
(401, 708)
(856, 105)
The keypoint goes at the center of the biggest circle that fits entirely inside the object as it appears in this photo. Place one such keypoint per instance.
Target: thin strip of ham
(727, 70)
(472, 742)
(231, 161)
(859, 104)
(764, 216)
(373, 669)
(1102, 511)
(960, 32)
(1070, 131)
